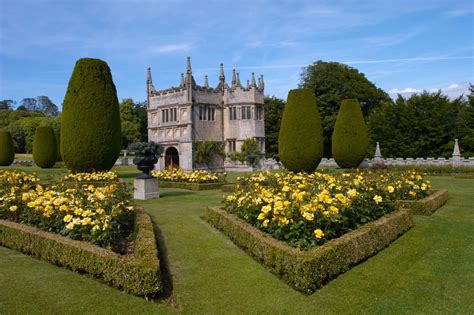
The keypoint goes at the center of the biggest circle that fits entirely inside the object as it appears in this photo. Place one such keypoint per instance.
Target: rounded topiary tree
(300, 142)
(45, 147)
(350, 138)
(7, 152)
(90, 135)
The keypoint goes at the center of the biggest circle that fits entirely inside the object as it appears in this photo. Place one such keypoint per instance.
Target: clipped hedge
(427, 205)
(45, 150)
(228, 188)
(91, 136)
(300, 141)
(350, 137)
(190, 186)
(307, 271)
(137, 273)
(7, 152)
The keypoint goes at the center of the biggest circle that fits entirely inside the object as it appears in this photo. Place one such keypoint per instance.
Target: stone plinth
(145, 188)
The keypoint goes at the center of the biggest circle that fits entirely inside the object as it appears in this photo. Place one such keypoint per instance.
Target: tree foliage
(206, 151)
(7, 152)
(7, 104)
(273, 112)
(350, 138)
(300, 139)
(422, 125)
(91, 136)
(332, 82)
(134, 122)
(45, 151)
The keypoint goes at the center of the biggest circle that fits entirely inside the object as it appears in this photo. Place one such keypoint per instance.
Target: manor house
(180, 117)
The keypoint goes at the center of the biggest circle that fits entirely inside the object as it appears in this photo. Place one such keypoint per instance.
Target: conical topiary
(300, 142)
(350, 137)
(90, 135)
(45, 148)
(7, 152)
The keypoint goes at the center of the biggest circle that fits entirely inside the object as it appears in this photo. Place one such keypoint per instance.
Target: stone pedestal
(145, 188)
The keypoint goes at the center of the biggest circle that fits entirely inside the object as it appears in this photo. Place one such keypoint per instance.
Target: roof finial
(234, 78)
(238, 80)
(221, 76)
(206, 84)
(148, 75)
(261, 85)
(248, 85)
(262, 82)
(252, 81)
(188, 65)
(181, 84)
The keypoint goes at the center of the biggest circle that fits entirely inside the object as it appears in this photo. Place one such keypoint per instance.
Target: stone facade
(180, 117)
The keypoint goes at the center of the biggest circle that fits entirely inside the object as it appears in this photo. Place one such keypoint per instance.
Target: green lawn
(428, 270)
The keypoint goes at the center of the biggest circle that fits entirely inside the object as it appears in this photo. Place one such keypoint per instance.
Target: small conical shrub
(90, 135)
(7, 152)
(45, 148)
(300, 142)
(350, 137)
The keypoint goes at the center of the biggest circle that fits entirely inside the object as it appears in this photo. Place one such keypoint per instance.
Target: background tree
(422, 125)
(332, 82)
(30, 104)
(7, 104)
(46, 106)
(130, 123)
(466, 129)
(273, 113)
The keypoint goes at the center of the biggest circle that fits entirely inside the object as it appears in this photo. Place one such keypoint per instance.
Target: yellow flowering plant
(101, 214)
(178, 175)
(306, 210)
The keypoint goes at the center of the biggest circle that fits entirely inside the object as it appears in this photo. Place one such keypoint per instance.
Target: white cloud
(459, 12)
(453, 90)
(169, 48)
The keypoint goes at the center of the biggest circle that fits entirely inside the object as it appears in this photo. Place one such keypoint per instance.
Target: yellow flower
(390, 189)
(13, 208)
(261, 216)
(285, 188)
(67, 218)
(266, 209)
(70, 226)
(377, 199)
(265, 223)
(308, 216)
(352, 193)
(318, 233)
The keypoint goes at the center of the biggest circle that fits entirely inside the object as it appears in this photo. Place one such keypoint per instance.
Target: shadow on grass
(166, 294)
(166, 194)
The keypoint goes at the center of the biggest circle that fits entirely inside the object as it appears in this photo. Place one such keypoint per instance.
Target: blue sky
(401, 46)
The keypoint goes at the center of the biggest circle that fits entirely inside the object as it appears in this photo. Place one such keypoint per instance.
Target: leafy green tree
(30, 104)
(422, 125)
(250, 151)
(91, 136)
(273, 112)
(332, 82)
(130, 123)
(300, 140)
(466, 137)
(206, 151)
(46, 106)
(7, 104)
(350, 138)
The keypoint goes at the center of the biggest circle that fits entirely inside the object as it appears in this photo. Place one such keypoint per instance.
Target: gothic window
(246, 112)
(232, 113)
(206, 113)
(231, 145)
(210, 114)
(259, 112)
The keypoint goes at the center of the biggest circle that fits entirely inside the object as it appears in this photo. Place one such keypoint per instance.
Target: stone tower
(180, 117)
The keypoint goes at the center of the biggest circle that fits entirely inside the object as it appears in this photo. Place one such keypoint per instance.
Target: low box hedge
(307, 271)
(427, 205)
(137, 273)
(228, 188)
(190, 186)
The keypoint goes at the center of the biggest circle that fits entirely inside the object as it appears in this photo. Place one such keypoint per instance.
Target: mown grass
(428, 270)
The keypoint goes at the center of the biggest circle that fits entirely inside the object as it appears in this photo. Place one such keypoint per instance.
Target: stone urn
(145, 163)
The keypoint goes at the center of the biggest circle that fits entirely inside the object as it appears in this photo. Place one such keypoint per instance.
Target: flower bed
(190, 186)
(137, 272)
(427, 205)
(308, 270)
(177, 175)
(307, 210)
(100, 214)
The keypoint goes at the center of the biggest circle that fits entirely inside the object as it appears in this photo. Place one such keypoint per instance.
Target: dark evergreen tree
(91, 136)
(273, 113)
(7, 152)
(300, 141)
(45, 151)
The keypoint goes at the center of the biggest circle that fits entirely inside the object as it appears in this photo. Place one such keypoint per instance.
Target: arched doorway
(171, 158)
